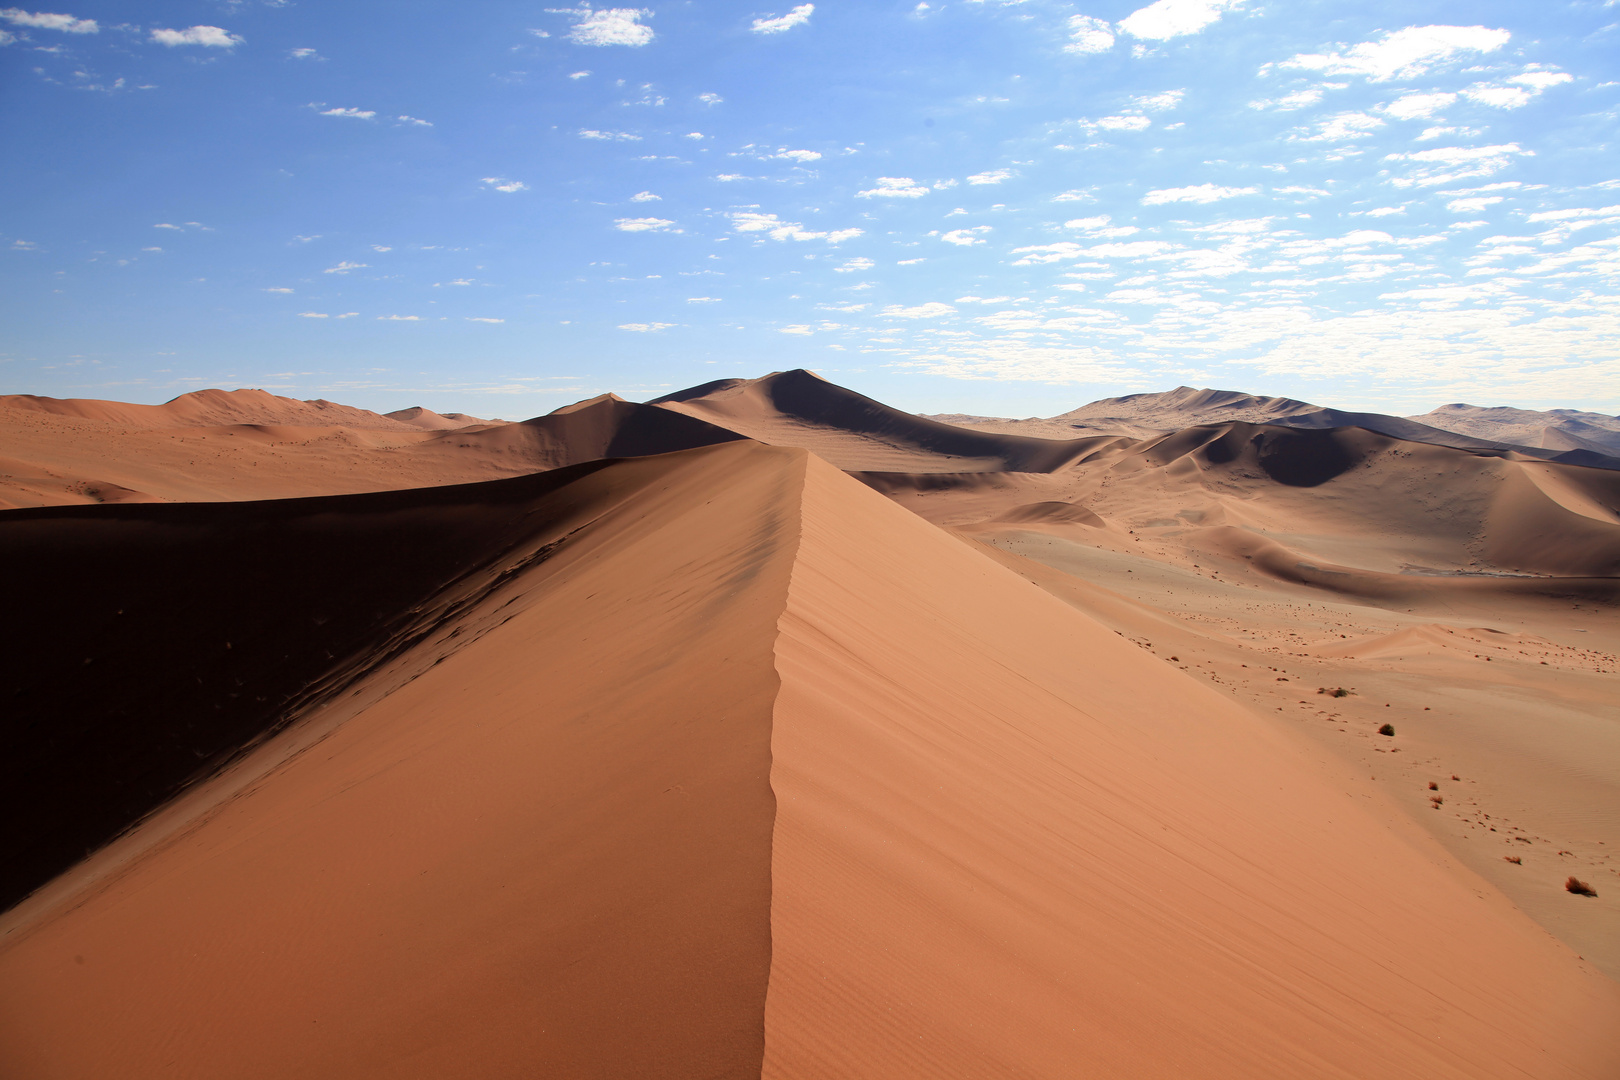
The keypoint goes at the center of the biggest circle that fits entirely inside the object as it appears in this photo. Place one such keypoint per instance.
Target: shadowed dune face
(536, 841)
(198, 629)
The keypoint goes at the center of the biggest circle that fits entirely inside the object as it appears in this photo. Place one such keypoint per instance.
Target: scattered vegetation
(1337, 691)
(1514, 859)
(1433, 786)
(1386, 729)
(1579, 887)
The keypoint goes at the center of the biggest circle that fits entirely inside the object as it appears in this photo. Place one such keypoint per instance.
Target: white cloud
(894, 187)
(702, 299)
(1498, 97)
(579, 74)
(1403, 54)
(1166, 99)
(931, 310)
(1099, 227)
(1299, 99)
(1073, 196)
(800, 329)
(1342, 126)
(694, 135)
(1202, 193)
(304, 54)
(1172, 18)
(611, 26)
(381, 247)
(399, 318)
(1088, 35)
(645, 328)
(729, 177)
(414, 122)
(607, 136)
(750, 221)
(1130, 122)
(1539, 80)
(277, 289)
(646, 196)
(40, 20)
(1382, 211)
(480, 318)
(344, 267)
(353, 114)
(777, 24)
(1472, 205)
(1295, 189)
(994, 176)
(1448, 164)
(642, 224)
(854, 266)
(211, 36)
(501, 183)
(710, 99)
(800, 156)
(1579, 212)
(313, 315)
(1417, 106)
(965, 237)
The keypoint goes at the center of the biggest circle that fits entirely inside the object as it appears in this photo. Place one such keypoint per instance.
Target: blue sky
(995, 206)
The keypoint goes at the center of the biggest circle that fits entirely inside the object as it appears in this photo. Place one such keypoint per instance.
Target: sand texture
(719, 763)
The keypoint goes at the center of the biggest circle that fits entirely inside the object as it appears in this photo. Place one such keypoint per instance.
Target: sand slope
(209, 408)
(723, 765)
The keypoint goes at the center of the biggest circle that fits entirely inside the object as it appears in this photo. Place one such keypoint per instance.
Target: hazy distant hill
(1555, 429)
(1564, 435)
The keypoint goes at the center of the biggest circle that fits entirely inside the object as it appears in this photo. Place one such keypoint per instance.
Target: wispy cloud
(414, 122)
(351, 113)
(40, 20)
(645, 328)
(1088, 35)
(994, 176)
(642, 224)
(1447, 165)
(304, 54)
(966, 237)
(483, 319)
(609, 26)
(501, 183)
(209, 36)
(344, 267)
(1201, 193)
(932, 310)
(645, 196)
(894, 187)
(1401, 54)
(607, 136)
(776, 24)
(752, 221)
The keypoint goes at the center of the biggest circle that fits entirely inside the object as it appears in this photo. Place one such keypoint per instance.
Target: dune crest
(719, 764)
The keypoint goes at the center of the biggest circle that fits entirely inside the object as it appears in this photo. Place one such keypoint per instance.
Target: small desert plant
(1514, 859)
(1386, 729)
(1433, 786)
(1579, 887)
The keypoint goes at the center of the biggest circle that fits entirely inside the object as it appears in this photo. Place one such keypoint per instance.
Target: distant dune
(712, 763)
(1459, 426)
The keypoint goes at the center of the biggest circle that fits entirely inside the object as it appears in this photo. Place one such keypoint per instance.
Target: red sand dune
(208, 408)
(718, 763)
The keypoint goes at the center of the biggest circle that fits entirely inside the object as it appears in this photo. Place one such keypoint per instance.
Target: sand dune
(1459, 426)
(428, 420)
(208, 408)
(799, 408)
(718, 763)
(1555, 429)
